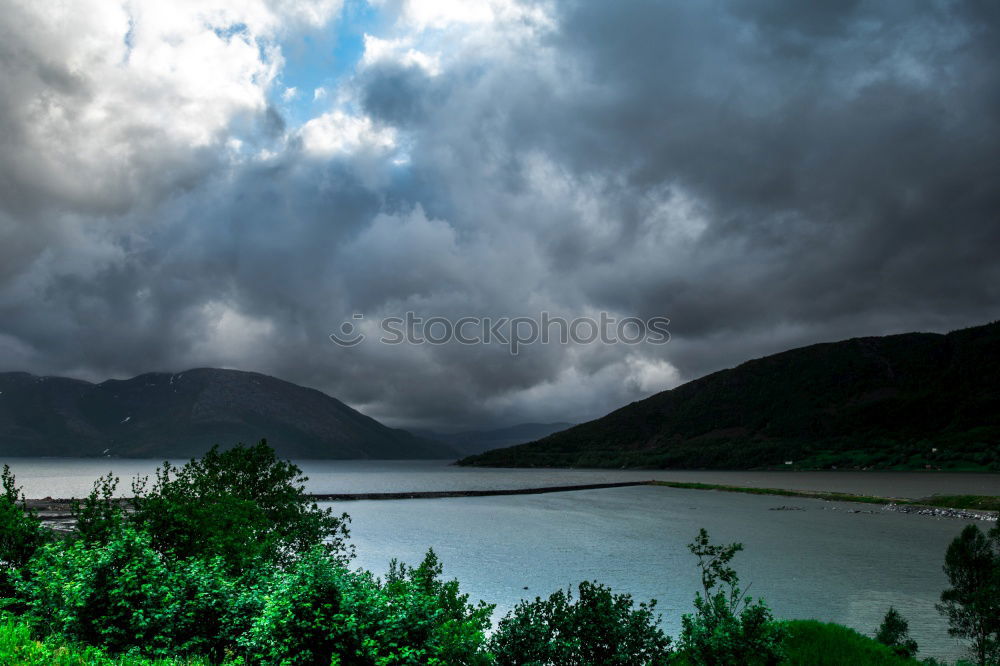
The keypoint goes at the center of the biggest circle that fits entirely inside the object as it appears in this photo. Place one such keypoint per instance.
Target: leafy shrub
(19, 646)
(124, 594)
(597, 628)
(304, 615)
(21, 533)
(432, 616)
(728, 627)
(100, 516)
(320, 613)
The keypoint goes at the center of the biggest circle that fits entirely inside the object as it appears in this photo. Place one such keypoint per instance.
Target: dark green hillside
(901, 401)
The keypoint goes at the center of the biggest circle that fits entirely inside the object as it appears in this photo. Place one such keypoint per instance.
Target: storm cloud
(765, 174)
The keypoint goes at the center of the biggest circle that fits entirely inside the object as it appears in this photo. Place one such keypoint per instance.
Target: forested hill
(163, 415)
(907, 401)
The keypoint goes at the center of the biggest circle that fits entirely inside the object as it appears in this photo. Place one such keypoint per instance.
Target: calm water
(820, 562)
(66, 477)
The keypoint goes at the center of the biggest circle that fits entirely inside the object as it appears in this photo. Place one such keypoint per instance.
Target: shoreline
(56, 511)
(968, 507)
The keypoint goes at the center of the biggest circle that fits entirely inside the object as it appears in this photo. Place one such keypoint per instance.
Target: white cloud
(230, 335)
(107, 93)
(340, 133)
(290, 94)
(650, 375)
(398, 51)
(442, 13)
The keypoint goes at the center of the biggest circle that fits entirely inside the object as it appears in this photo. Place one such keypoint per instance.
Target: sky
(225, 182)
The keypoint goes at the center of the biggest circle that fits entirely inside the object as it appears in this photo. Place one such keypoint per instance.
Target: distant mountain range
(478, 441)
(161, 415)
(911, 401)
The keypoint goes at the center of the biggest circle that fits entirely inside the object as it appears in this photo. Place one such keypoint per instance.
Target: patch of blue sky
(322, 60)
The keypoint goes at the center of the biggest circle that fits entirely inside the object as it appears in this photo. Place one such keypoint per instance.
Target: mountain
(478, 441)
(907, 401)
(163, 415)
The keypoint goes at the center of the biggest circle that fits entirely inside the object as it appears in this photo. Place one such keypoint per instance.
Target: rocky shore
(936, 512)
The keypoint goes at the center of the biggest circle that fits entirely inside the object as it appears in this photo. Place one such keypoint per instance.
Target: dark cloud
(766, 174)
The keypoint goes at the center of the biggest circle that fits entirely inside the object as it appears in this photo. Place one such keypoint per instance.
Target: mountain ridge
(469, 442)
(159, 414)
(912, 400)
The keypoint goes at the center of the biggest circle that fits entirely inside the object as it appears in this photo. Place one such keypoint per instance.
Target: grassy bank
(812, 643)
(960, 502)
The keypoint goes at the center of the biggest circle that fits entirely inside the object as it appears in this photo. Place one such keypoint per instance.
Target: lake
(814, 559)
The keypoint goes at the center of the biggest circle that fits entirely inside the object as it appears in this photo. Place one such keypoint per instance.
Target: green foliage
(972, 603)
(425, 611)
(123, 594)
(728, 627)
(21, 533)
(596, 628)
(19, 646)
(320, 613)
(812, 643)
(99, 517)
(243, 505)
(302, 615)
(894, 632)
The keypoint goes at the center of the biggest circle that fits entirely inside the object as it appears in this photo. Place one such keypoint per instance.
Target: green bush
(21, 533)
(124, 594)
(19, 646)
(320, 613)
(597, 628)
(303, 616)
(812, 643)
(728, 627)
(430, 614)
(100, 516)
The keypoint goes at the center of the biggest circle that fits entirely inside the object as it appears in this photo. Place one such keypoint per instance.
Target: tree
(895, 633)
(596, 628)
(244, 505)
(972, 603)
(728, 627)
